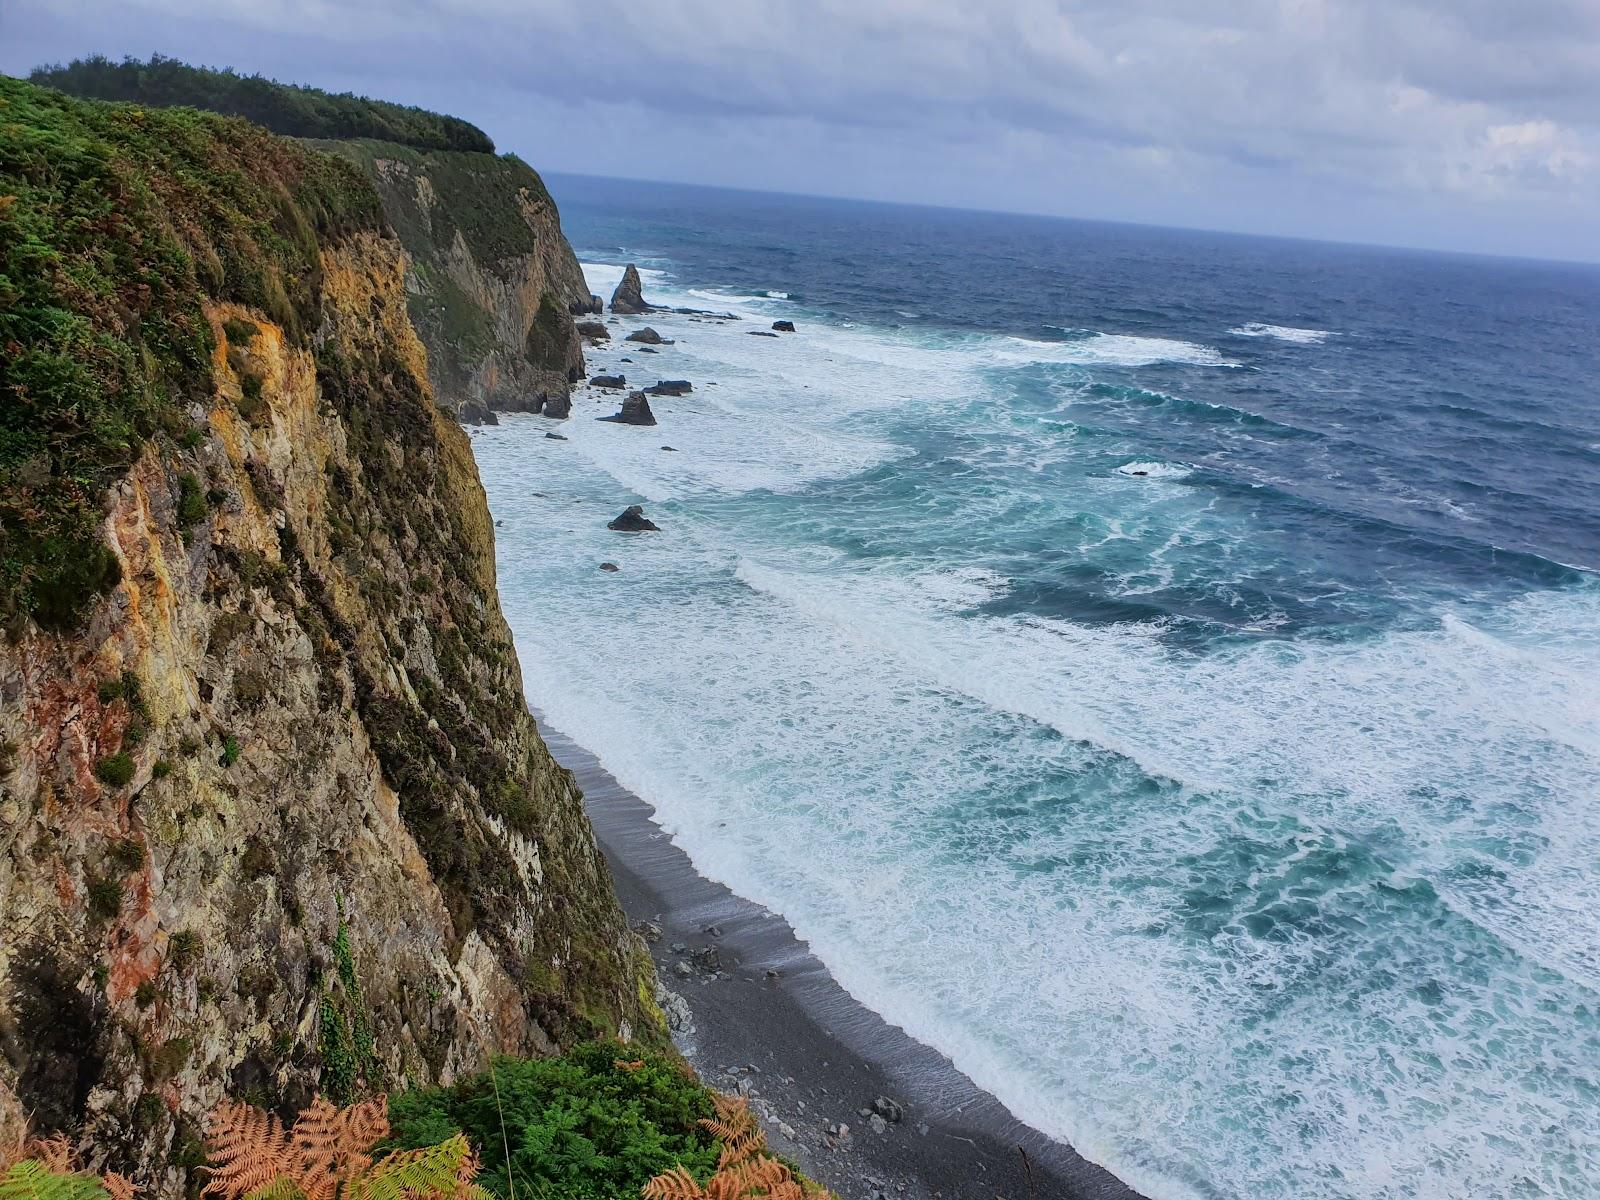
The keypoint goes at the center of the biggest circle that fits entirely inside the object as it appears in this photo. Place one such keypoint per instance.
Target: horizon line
(1055, 216)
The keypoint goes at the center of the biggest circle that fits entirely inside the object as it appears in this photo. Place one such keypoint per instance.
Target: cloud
(1386, 114)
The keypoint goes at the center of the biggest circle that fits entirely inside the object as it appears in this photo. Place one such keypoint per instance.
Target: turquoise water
(1160, 671)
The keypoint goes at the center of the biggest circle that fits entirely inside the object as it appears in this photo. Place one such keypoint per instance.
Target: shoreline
(769, 1021)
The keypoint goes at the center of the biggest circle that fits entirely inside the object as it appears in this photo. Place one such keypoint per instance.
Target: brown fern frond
(315, 1144)
(55, 1153)
(366, 1124)
(247, 1149)
(735, 1127)
(118, 1187)
(624, 1065)
(676, 1184)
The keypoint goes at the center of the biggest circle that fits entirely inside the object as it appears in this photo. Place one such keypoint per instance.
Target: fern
(745, 1170)
(326, 1155)
(43, 1168)
(33, 1179)
(735, 1127)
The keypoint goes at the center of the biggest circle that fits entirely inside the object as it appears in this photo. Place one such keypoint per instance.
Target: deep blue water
(1160, 669)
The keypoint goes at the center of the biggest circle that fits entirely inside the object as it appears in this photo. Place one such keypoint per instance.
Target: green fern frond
(431, 1171)
(30, 1179)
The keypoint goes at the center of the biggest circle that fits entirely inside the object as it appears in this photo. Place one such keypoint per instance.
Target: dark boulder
(633, 520)
(611, 566)
(579, 307)
(556, 437)
(648, 336)
(635, 411)
(595, 331)
(648, 350)
(615, 382)
(671, 387)
(760, 333)
(629, 296)
(783, 326)
(558, 406)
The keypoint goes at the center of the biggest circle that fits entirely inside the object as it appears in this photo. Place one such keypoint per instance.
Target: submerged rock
(783, 326)
(633, 520)
(671, 387)
(648, 336)
(616, 382)
(760, 333)
(629, 296)
(635, 411)
(556, 437)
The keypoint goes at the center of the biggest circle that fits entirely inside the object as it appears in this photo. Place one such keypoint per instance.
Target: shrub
(161, 769)
(239, 331)
(115, 771)
(192, 506)
(589, 1126)
(184, 949)
(230, 751)
(105, 898)
(128, 853)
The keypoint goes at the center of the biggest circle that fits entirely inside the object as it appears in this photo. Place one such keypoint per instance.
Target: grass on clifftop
(115, 222)
(282, 107)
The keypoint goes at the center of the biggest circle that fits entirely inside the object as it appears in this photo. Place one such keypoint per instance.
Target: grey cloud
(1433, 114)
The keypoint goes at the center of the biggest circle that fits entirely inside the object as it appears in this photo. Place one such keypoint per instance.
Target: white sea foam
(1154, 470)
(1283, 333)
(1309, 919)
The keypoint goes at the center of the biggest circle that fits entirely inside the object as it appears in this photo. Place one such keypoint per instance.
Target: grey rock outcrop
(629, 296)
(671, 387)
(633, 520)
(635, 411)
(649, 337)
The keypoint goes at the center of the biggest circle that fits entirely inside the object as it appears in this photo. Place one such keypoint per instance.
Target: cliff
(273, 814)
(491, 282)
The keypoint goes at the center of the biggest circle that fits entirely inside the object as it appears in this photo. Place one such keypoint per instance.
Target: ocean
(1158, 669)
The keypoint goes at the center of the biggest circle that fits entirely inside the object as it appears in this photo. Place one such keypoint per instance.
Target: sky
(1469, 125)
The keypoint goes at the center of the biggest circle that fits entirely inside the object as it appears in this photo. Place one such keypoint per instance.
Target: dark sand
(808, 1055)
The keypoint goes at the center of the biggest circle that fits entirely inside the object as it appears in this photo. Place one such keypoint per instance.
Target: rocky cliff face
(273, 815)
(492, 281)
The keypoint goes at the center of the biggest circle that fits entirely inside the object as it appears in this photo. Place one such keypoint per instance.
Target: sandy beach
(769, 1021)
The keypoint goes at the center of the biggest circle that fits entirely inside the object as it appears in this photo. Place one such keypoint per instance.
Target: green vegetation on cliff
(595, 1124)
(473, 196)
(115, 221)
(283, 108)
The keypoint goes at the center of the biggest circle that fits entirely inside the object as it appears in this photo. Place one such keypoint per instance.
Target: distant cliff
(273, 814)
(492, 281)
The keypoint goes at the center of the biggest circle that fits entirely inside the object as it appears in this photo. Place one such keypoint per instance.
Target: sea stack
(629, 296)
(633, 520)
(635, 411)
